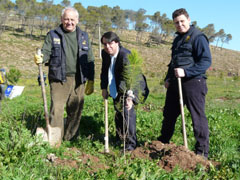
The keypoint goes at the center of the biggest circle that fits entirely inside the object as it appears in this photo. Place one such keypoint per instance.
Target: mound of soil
(169, 156)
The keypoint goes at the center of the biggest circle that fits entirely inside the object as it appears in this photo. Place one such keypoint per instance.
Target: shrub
(13, 75)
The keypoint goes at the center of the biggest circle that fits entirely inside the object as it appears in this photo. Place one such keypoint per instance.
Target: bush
(13, 75)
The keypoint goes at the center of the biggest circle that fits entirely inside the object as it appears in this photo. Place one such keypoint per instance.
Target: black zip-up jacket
(121, 73)
(57, 62)
(191, 52)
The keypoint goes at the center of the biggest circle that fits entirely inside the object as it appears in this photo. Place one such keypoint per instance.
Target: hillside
(16, 50)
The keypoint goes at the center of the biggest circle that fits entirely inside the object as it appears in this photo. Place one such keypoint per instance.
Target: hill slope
(16, 50)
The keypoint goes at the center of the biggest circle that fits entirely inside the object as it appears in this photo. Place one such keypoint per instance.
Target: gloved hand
(89, 88)
(38, 59)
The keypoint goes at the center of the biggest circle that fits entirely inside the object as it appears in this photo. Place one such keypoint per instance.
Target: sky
(224, 14)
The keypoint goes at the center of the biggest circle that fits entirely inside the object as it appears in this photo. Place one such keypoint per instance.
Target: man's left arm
(202, 57)
(90, 79)
(90, 62)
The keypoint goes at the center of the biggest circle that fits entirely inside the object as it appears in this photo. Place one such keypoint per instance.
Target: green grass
(23, 155)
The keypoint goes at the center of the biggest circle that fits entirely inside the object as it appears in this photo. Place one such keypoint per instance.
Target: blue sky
(224, 14)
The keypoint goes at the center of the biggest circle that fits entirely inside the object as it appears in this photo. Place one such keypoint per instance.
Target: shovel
(50, 134)
(182, 112)
(106, 148)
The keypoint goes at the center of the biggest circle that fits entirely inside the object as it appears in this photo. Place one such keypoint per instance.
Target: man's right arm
(104, 72)
(104, 76)
(168, 75)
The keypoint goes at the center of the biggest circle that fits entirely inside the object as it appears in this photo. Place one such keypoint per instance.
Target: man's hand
(166, 84)
(104, 93)
(89, 87)
(129, 103)
(179, 72)
(38, 59)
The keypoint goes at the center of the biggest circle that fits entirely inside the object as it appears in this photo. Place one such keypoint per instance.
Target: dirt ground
(168, 156)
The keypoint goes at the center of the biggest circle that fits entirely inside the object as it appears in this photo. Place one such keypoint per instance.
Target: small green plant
(236, 77)
(135, 72)
(13, 75)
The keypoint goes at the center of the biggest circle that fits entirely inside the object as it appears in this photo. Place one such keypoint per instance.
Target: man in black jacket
(114, 74)
(191, 58)
(67, 51)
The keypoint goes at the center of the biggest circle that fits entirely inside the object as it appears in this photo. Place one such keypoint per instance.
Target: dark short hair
(180, 12)
(110, 36)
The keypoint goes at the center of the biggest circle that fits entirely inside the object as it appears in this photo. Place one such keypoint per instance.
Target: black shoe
(162, 140)
(130, 148)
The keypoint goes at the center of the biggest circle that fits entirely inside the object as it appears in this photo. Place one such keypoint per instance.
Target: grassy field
(25, 156)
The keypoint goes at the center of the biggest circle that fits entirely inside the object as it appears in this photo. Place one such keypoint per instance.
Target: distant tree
(140, 25)
(118, 18)
(226, 39)
(66, 3)
(168, 28)
(158, 22)
(53, 15)
(162, 21)
(48, 15)
(104, 23)
(106, 17)
(196, 25)
(130, 17)
(92, 18)
(209, 31)
(219, 35)
(98, 15)
(155, 22)
(82, 12)
(27, 11)
(5, 7)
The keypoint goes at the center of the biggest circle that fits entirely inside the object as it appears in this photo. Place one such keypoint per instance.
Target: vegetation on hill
(32, 15)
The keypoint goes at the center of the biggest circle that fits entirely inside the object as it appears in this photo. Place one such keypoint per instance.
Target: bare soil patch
(168, 157)
(91, 161)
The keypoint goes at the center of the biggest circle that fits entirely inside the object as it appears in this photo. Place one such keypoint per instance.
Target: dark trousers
(127, 125)
(194, 91)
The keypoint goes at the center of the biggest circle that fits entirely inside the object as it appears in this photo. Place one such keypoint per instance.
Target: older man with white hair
(67, 51)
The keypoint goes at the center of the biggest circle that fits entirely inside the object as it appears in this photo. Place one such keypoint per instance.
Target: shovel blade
(42, 132)
(54, 136)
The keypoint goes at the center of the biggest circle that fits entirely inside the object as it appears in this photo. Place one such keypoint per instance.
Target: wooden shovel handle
(182, 112)
(43, 94)
(106, 148)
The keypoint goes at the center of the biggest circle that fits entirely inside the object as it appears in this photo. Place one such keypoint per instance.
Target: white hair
(70, 8)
